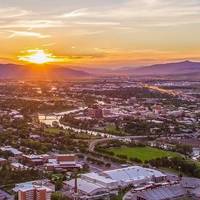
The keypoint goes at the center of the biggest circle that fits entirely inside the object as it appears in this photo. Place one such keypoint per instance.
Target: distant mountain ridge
(164, 69)
(12, 71)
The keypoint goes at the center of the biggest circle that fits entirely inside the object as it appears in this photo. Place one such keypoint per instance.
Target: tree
(184, 149)
(58, 185)
(58, 196)
(16, 196)
(108, 165)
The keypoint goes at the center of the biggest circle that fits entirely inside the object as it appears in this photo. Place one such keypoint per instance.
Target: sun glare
(38, 56)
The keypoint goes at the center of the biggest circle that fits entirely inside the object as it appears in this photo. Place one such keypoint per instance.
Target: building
(134, 175)
(186, 188)
(99, 185)
(35, 193)
(66, 158)
(62, 162)
(158, 193)
(86, 190)
(13, 151)
(101, 180)
(2, 161)
(18, 166)
(35, 190)
(35, 160)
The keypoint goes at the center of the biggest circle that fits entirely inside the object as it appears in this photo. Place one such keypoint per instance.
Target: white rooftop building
(12, 150)
(18, 166)
(108, 182)
(102, 180)
(87, 188)
(134, 175)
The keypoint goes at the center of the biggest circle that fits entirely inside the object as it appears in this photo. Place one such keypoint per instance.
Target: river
(55, 117)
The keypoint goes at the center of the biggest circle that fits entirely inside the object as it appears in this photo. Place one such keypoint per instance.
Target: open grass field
(142, 153)
(52, 130)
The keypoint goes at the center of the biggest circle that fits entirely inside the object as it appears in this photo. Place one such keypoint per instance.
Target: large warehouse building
(134, 175)
(95, 185)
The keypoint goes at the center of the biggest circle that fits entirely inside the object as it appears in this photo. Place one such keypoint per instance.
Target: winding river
(55, 117)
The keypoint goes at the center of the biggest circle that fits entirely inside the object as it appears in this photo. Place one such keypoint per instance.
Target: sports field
(143, 153)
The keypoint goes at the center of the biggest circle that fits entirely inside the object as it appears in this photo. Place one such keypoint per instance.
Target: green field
(52, 130)
(142, 153)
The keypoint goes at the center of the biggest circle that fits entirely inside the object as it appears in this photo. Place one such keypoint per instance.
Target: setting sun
(39, 56)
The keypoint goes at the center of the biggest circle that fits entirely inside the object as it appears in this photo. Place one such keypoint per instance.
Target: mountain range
(185, 67)
(12, 71)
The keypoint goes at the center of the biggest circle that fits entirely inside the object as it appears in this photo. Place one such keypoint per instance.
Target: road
(103, 140)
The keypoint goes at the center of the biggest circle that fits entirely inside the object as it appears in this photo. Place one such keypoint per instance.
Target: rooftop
(162, 193)
(133, 173)
(86, 187)
(11, 149)
(45, 184)
(96, 176)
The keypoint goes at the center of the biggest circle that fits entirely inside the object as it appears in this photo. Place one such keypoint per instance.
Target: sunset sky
(100, 32)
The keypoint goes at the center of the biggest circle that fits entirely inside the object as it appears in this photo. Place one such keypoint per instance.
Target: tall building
(35, 193)
(35, 190)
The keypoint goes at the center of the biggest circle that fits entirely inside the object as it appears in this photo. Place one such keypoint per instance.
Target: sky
(101, 33)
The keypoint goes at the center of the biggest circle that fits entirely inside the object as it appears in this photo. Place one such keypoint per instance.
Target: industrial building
(134, 175)
(98, 185)
(87, 190)
(101, 180)
(158, 193)
(186, 188)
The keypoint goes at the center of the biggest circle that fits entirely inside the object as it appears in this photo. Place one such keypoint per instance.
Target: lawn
(52, 130)
(142, 153)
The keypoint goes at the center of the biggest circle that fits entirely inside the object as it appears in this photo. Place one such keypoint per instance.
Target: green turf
(52, 130)
(142, 153)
